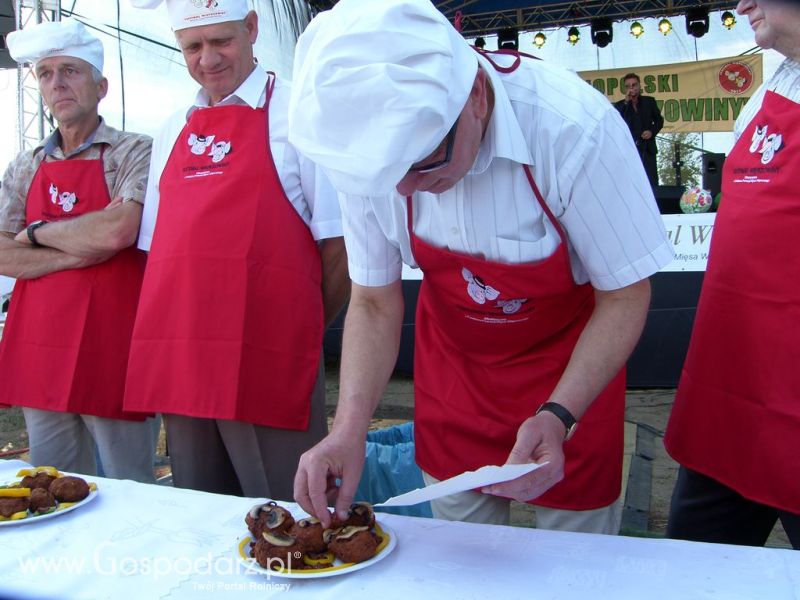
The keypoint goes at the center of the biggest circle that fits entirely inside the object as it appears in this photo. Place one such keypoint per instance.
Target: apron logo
(480, 293)
(477, 289)
(511, 306)
(199, 144)
(770, 143)
(66, 200)
(205, 3)
(219, 151)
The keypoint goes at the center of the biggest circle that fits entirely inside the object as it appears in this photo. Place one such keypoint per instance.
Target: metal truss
(34, 120)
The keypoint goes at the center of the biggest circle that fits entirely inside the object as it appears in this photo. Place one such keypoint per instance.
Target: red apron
(66, 340)
(736, 417)
(492, 341)
(230, 320)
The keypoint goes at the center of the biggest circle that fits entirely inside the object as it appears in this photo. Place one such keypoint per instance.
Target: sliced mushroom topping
(279, 539)
(307, 522)
(275, 516)
(362, 509)
(259, 508)
(350, 531)
(328, 535)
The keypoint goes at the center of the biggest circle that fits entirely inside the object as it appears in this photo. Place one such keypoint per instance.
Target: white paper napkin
(460, 483)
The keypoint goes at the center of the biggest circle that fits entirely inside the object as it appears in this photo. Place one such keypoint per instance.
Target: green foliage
(691, 167)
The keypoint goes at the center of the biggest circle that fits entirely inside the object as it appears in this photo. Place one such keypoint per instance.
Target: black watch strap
(569, 421)
(31, 230)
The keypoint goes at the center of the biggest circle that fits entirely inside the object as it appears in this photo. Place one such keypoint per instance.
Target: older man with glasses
(505, 180)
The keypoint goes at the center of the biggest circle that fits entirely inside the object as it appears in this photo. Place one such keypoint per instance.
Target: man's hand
(539, 439)
(647, 134)
(335, 457)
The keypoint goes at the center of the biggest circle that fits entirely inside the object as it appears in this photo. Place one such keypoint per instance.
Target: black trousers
(650, 166)
(704, 510)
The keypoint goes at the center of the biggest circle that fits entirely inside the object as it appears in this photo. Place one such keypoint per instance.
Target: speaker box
(508, 39)
(712, 172)
(668, 198)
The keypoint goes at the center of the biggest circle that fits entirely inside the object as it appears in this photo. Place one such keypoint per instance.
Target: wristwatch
(31, 231)
(570, 423)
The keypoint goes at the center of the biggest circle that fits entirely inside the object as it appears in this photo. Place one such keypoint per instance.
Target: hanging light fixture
(539, 39)
(728, 20)
(602, 32)
(573, 35)
(636, 29)
(665, 26)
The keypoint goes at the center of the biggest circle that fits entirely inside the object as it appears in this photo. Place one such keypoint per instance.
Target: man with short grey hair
(69, 216)
(246, 265)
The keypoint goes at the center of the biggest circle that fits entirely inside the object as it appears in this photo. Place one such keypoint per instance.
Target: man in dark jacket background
(643, 118)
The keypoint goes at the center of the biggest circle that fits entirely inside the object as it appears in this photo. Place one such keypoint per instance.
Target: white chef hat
(55, 38)
(377, 86)
(194, 13)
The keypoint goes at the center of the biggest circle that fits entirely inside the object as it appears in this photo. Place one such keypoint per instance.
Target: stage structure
(487, 17)
(35, 121)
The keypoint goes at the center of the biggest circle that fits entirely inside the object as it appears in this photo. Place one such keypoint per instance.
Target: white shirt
(584, 163)
(307, 187)
(785, 81)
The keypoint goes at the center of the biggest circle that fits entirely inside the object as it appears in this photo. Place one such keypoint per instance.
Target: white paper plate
(63, 508)
(338, 568)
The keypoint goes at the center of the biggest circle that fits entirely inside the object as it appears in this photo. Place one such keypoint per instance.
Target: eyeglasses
(448, 154)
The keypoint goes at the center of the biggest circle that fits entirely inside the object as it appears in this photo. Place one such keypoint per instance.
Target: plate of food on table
(281, 546)
(42, 493)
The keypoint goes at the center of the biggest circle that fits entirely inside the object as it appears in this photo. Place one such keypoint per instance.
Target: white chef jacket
(785, 82)
(584, 163)
(307, 187)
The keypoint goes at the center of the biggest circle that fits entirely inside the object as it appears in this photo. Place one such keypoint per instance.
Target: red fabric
(230, 321)
(737, 411)
(492, 341)
(66, 340)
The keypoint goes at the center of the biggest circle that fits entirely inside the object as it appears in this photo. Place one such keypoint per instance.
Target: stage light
(697, 21)
(508, 39)
(573, 35)
(636, 29)
(602, 32)
(665, 26)
(728, 20)
(539, 39)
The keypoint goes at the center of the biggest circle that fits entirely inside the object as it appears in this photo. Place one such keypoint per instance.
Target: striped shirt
(785, 81)
(126, 160)
(584, 163)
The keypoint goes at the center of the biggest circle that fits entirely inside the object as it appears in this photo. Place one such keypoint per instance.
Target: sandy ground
(650, 473)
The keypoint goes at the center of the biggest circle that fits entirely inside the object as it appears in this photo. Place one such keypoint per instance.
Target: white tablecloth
(144, 541)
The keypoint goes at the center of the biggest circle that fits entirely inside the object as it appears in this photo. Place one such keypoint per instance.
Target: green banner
(705, 95)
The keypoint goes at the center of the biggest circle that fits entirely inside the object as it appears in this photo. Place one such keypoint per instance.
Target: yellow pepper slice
(15, 492)
(15, 517)
(52, 471)
(323, 559)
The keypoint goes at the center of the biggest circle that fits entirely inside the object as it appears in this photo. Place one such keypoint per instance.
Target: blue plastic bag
(390, 469)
